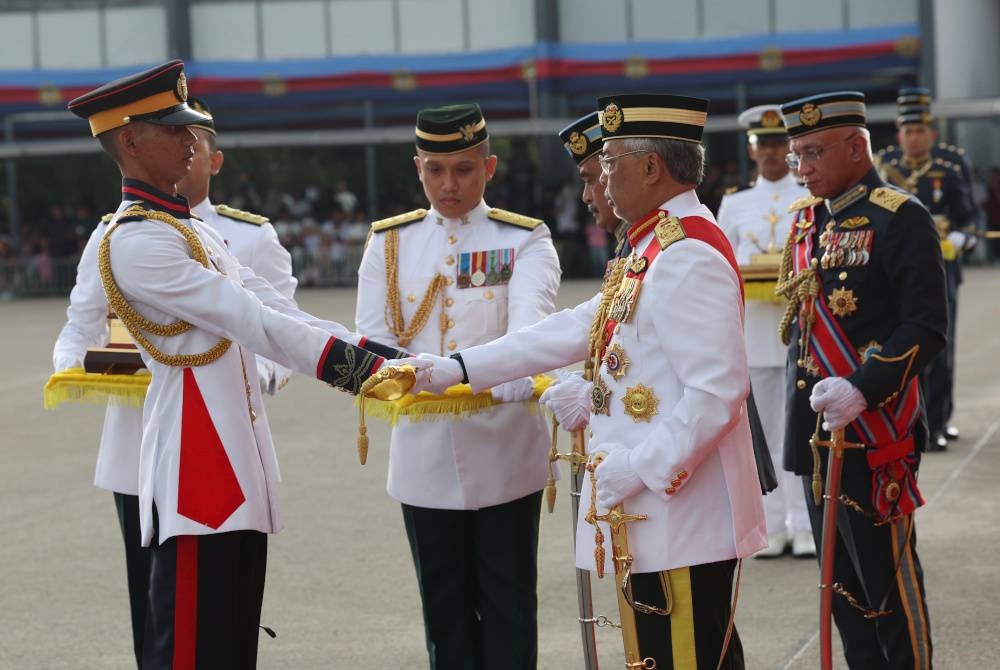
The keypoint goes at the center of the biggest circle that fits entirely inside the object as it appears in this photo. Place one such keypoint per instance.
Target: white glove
(445, 372)
(514, 391)
(616, 480)
(423, 369)
(569, 400)
(839, 401)
(957, 238)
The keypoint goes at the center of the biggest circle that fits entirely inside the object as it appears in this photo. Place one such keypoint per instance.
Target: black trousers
(477, 571)
(879, 566)
(938, 378)
(204, 602)
(136, 567)
(692, 635)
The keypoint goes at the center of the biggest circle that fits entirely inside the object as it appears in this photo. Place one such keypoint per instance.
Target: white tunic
(154, 270)
(685, 341)
(86, 326)
(746, 217)
(494, 456)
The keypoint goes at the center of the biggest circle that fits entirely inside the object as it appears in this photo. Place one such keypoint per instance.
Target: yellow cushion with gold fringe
(76, 385)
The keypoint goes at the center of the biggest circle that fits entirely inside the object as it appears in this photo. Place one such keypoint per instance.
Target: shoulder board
(802, 203)
(240, 215)
(135, 212)
(888, 198)
(519, 220)
(952, 148)
(398, 220)
(107, 217)
(668, 231)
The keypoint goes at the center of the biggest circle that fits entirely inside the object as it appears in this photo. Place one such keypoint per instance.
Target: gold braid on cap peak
(135, 322)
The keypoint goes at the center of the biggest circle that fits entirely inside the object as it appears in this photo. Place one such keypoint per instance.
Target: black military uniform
(941, 181)
(876, 254)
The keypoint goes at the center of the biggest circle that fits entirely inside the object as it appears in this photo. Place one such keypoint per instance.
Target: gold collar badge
(616, 361)
(842, 302)
(600, 398)
(640, 402)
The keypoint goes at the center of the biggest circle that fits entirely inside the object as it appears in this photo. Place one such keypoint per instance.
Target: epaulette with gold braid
(668, 231)
(398, 220)
(107, 217)
(888, 198)
(134, 212)
(519, 220)
(240, 215)
(802, 203)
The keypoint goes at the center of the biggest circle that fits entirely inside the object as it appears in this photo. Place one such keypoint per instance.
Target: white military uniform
(685, 342)
(255, 244)
(752, 219)
(153, 267)
(490, 457)
(251, 238)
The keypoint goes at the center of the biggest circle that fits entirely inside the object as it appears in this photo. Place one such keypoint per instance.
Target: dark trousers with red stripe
(879, 566)
(477, 571)
(204, 602)
(691, 637)
(136, 567)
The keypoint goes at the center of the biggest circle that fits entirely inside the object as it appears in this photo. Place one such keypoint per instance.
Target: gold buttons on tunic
(411, 298)
(449, 281)
(842, 276)
(450, 260)
(451, 323)
(488, 295)
(452, 239)
(801, 384)
(452, 345)
(448, 302)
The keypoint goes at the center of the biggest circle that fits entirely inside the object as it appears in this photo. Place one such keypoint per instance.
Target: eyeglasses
(607, 161)
(812, 154)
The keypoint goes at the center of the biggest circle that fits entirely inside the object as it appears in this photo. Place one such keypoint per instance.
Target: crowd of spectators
(324, 228)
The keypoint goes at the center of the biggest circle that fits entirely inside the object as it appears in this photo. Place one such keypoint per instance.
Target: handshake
(568, 399)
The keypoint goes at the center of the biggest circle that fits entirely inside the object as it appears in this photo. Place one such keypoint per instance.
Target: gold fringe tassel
(76, 385)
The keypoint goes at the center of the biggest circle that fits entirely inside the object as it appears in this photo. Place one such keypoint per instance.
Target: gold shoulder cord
(393, 307)
(796, 288)
(609, 289)
(135, 322)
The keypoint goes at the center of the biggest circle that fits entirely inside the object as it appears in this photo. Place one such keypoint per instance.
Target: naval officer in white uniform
(438, 280)
(756, 221)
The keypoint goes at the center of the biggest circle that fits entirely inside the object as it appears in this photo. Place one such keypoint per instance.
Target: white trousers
(784, 507)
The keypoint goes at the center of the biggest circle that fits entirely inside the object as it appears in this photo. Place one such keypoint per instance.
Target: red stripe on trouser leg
(186, 603)
(207, 488)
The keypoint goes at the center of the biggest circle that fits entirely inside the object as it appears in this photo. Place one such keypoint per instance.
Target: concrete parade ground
(341, 591)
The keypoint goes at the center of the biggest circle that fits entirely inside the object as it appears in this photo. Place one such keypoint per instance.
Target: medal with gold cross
(600, 398)
(640, 402)
(842, 302)
(616, 361)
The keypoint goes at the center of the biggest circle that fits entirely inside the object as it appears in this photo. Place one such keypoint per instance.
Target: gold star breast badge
(842, 302)
(640, 402)
(600, 398)
(616, 361)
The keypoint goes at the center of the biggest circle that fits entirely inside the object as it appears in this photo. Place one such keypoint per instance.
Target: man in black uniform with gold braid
(868, 311)
(938, 176)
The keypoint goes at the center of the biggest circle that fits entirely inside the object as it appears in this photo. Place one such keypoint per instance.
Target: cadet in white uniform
(756, 221)
(249, 237)
(439, 280)
(207, 467)
(669, 397)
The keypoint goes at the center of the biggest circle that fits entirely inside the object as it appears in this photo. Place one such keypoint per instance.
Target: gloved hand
(514, 391)
(444, 373)
(957, 238)
(616, 480)
(839, 400)
(569, 400)
(424, 370)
